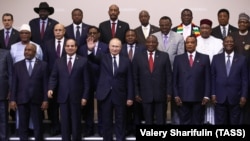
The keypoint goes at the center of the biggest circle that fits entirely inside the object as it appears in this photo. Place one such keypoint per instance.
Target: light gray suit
(175, 45)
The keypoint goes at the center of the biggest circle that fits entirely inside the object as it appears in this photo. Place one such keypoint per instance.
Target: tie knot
(113, 23)
(59, 41)
(7, 31)
(131, 46)
(228, 56)
(70, 58)
(150, 53)
(114, 57)
(190, 55)
(78, 27)
(165, 36)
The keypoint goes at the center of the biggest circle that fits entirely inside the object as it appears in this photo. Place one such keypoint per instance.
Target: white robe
(209, 46)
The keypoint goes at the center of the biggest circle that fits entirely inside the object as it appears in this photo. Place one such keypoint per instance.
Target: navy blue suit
(153, 87)
(113, 91)
(50, 57)
(35, 31)
(29, 92)
(229, 89)
(70, 34)
(191, 84)
(134, 112)
(106, 32)
(14, 38)
(71, 88)
(5, 86)
(94, 73)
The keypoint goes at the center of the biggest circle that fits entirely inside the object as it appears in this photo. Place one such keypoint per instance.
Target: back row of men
(50, 37)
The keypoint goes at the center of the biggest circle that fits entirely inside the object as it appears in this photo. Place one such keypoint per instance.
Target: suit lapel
(36, 67)
(234, 61)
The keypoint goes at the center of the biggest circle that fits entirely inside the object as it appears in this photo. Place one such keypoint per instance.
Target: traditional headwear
(44, 5)
(243, 16)
(25, 27)
(206, 21)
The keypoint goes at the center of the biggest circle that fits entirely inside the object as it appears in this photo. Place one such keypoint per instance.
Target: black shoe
(88, 133)
(55, 132)
(100, 133)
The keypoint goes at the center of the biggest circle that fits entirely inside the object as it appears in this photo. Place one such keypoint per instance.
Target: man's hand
(45, 105)
(90, 43)
(129, 102)
(13, 105)
(50, 94)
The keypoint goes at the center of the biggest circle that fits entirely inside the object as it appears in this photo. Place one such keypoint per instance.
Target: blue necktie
(30, 67)
(115, 65)
(7, 37)
(78, 34)
(228, 65)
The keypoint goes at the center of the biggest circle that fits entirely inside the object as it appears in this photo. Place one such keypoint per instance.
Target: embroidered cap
(206, 21)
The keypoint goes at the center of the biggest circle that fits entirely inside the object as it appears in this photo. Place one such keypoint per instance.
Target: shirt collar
(46, 20)
(72, 57)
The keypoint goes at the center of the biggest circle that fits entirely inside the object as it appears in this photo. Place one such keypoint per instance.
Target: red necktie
(58, 49)
(151, 62)
(113, 29)
(130, 53)
(191, 61)
(69, 65)
(43, 29)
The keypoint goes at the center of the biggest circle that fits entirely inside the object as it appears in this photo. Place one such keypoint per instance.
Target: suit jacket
(73, 86)
(138, 49)
(106, 33)
(71, 34)
(153, 86)
(191, 84)
(35, 31)
(50, 55)
(6, 64)
(141, 39)
(216, 31)
(93, 68)
(120, 85)
(195, 29)
(14, 38)
(30, 88)
(229, 88)
(175, 44)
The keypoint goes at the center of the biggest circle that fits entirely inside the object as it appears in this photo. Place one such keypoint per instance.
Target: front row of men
(148, 79)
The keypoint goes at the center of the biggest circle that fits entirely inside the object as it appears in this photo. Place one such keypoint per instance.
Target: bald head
(144, 17)
(113, 12)
(59, 31)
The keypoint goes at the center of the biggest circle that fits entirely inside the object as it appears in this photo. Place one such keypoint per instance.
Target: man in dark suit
(100, 48)
(115, 90)
(224, 28)
(13, 34)
(42, 27)
(69, 78)
(77, 25)
(113, 27)
(131, 49)
(29, 92)
(54, 49)
(145, 28)
(191, 82)
(229, 84)
(153, 86)
(5, 86)
(187, 27)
